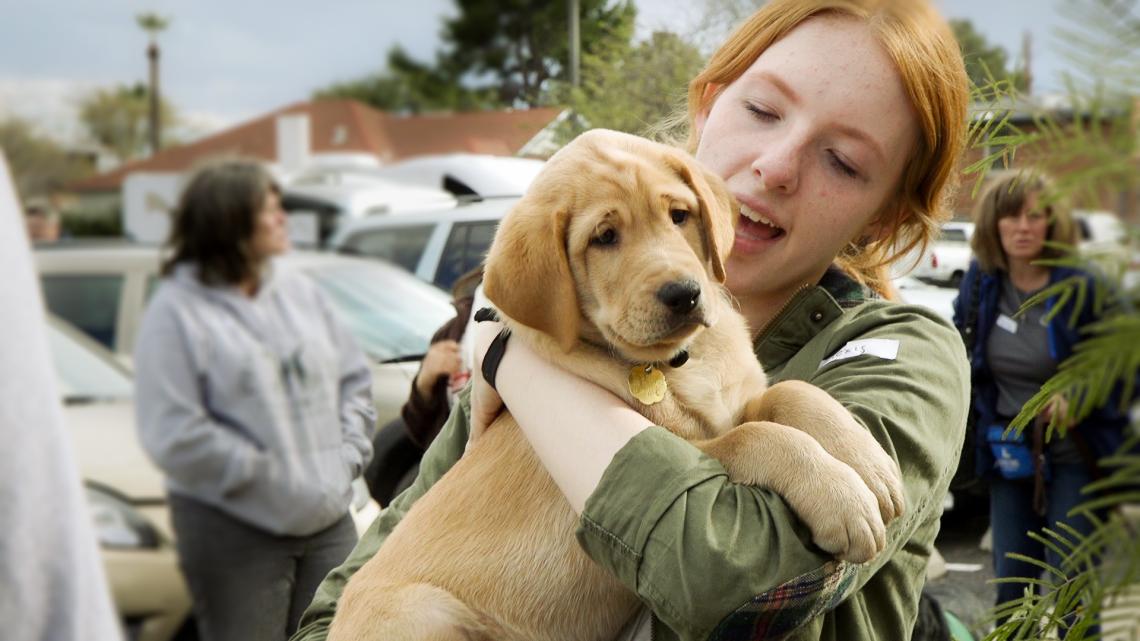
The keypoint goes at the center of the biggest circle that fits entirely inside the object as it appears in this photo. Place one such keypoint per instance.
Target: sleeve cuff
(645, 478)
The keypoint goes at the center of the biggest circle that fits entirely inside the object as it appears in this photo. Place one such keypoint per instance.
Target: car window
(90, 302)
(465, 249)
(83, 374)
(392, 315)
(400, 245)
(954, 235)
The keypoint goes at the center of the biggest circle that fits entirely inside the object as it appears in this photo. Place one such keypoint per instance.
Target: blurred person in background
(444, 370)
(256, 404)
(52, 583)
(1033, 484)
(42, 222)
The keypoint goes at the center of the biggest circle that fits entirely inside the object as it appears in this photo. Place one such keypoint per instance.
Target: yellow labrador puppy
(611, 266)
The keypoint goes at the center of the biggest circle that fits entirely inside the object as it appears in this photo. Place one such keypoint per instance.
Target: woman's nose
(777, 166)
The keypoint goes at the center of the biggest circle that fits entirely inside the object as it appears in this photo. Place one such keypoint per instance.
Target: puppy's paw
(842, 513)
(855, 446)
(881, 474)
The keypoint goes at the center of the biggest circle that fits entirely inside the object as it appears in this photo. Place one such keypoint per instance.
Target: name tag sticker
(884, 348)
(1007, 323)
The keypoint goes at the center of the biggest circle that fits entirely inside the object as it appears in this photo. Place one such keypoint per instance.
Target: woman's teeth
(755, 217)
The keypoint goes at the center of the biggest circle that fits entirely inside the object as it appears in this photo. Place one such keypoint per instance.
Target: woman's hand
(1058, 406)
(485, 401)
(442, 359)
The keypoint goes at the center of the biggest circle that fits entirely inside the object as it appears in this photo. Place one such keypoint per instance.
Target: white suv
(437, 245)
(948, 257)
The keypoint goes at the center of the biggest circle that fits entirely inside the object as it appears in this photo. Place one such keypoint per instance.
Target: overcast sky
(224, 62)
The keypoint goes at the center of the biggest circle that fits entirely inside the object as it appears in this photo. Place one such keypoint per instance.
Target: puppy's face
(638, 258)
(620, 241)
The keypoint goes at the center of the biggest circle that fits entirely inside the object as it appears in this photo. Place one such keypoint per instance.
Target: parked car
(437, 245)
(333, 200)
(948, 257)
(460, 174)
(102, 289)
(1104, 239)
(938, 299)
(480, 175)
(124, 489)
(1099, 230)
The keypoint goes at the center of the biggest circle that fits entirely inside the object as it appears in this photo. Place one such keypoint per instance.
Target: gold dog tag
(647, 384)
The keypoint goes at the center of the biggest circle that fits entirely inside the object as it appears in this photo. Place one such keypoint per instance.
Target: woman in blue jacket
(1013, 355)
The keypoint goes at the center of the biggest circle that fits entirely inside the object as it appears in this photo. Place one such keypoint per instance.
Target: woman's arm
(573, 425)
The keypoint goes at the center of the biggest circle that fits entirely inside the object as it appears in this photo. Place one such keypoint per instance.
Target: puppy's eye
(606, 237)
(679, 216)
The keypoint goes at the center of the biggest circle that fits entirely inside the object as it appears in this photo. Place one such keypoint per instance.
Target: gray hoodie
(258, 406)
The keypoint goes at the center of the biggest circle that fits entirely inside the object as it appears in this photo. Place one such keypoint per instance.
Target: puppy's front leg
(813, 411)
(828, 495)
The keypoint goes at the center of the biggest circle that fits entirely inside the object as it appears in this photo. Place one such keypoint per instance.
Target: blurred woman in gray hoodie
(256, 404)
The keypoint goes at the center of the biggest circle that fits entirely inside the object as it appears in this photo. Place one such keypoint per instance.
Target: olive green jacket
(717, 560)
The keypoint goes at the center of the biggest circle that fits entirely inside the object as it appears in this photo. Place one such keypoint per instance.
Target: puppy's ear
(718, 211)
(528, 269)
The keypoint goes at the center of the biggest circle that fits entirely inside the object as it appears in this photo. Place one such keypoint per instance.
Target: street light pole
(152, 24)
(155, 121)
(575, 44)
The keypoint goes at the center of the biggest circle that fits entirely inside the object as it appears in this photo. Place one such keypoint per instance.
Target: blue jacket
(1103, 430)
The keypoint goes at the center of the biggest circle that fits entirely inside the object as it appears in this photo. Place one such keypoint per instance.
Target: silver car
(102, 288)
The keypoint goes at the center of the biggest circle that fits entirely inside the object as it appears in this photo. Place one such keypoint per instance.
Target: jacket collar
(186, 273)
(805, 315)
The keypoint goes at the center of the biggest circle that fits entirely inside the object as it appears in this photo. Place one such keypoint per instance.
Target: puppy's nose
(680, 296)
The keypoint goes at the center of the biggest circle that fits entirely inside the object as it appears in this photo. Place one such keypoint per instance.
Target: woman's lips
(755, 230)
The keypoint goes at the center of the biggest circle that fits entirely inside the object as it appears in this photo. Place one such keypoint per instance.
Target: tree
(719, 19)
(410, 86)
(496, 53)
(985, 62)
(117, 119)
(39, 165)
(637, 90)
(516, 46)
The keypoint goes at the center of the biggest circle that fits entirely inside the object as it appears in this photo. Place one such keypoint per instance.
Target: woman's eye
(679, 216)
(841, 166)
(607, 237)
(760, 113)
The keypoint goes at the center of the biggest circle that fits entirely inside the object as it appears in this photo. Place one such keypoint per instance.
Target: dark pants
(1012, 516)
(247, 584)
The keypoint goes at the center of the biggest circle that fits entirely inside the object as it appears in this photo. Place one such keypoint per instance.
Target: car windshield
(84, 374)
(393, 315)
